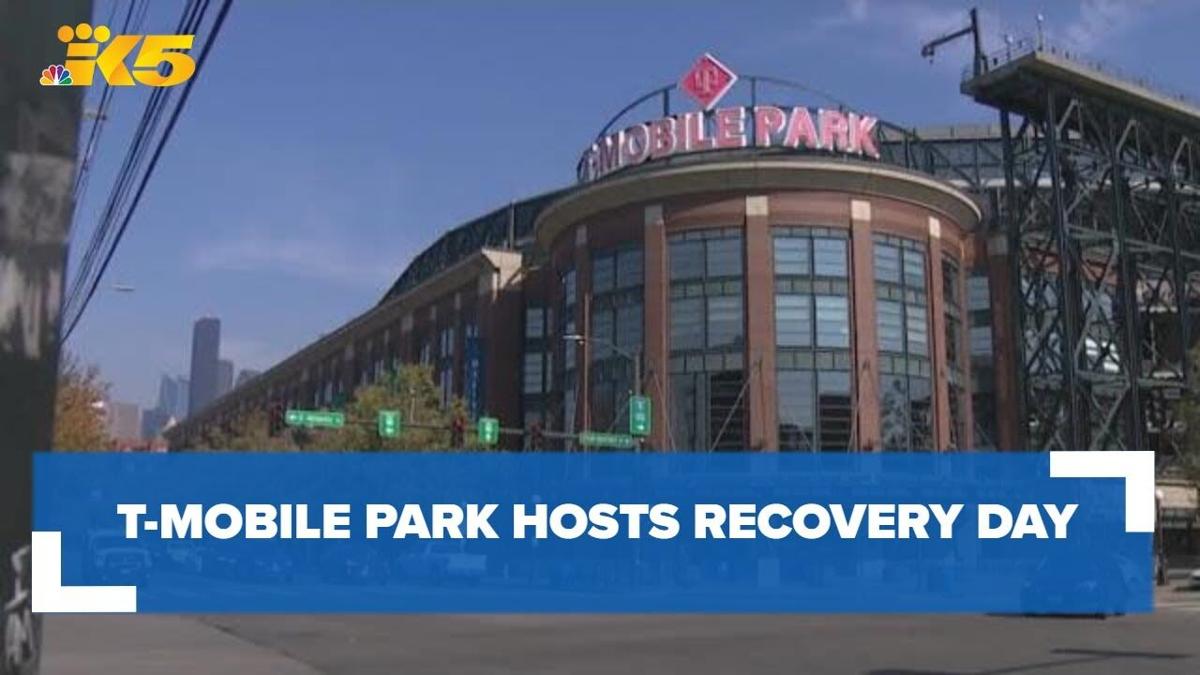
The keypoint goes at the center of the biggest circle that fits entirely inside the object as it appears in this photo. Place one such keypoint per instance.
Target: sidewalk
(151, 645)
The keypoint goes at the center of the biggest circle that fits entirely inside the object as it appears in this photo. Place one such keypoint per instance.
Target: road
(1167, 641)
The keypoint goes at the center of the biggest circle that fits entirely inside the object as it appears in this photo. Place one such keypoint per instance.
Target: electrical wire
(101, 237)
(197, 14)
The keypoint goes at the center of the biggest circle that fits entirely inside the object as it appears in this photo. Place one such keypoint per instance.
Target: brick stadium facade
(786, 277)
(777, 302)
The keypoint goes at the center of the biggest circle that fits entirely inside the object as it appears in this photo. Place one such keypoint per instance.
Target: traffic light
(458, 427)
(390, 424)
(488, 430)
(639, 416)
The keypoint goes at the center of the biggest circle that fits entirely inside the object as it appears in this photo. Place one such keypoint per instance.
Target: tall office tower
(206, 344)
(183, 390)
(224, 376)
(168, 394)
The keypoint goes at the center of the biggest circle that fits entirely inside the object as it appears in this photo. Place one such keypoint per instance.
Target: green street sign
(639, 416)
(489, 430)
(390, 425)
(597, 438)
(315, 418)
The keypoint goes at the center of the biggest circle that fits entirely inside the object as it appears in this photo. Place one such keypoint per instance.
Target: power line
(133, 159)
(187, 90)
(103, 239)
(89, 148)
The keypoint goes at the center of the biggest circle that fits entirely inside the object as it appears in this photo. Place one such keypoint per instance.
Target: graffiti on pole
(20, 631)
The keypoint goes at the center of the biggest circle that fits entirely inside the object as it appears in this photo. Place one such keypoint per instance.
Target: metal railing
(1018, 48)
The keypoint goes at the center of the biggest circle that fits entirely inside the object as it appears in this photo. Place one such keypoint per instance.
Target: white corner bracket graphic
(50, 596)
(1136, 467)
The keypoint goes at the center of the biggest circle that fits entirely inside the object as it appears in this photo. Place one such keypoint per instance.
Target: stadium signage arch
(759, 126)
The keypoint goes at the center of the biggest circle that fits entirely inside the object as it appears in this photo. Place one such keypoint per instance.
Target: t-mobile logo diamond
(707, 81)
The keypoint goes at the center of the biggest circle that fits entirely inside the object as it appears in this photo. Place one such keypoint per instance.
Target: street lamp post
(634, 357)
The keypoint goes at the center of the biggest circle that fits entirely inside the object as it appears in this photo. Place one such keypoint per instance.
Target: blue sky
(327, 143)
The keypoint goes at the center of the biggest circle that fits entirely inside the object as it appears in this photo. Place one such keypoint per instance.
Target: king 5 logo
(84, 57)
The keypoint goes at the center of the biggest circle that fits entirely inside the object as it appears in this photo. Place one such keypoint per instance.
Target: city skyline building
(153, 422)
(206, 345)
(173, 395)
(245, 375)
(168, 393)
(182, 387)
(124, 421)
(224, 376)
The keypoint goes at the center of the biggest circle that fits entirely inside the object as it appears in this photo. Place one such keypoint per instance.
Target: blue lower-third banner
(598, 532)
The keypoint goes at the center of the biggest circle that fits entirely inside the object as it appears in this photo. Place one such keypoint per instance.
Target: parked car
(354, 563)
(182, 556)
(113, 559)
(265, 565)
(1195, 579)
(445, 561)
(1080, 585)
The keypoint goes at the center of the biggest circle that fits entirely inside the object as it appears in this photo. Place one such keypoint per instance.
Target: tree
(410, 390)
(79, 419)
(250, 432)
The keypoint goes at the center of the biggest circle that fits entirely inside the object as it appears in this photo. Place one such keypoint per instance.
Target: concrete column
(583, 353)
(501, 329)
(406, 349)
(937, 343)
(1005, 333)
(964, 349)
(349, 378)
(760, 325)
(863, 341)
(655, 317)
(457, 370)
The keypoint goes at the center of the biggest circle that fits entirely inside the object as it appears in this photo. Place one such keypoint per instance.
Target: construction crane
(978, 62)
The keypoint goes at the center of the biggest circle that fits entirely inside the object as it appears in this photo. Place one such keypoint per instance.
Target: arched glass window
(812, 338)
(616, 321)
(902, 327)
(707, 337)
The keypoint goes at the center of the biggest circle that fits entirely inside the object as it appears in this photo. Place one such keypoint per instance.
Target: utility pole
(635, 359)
(39, 134)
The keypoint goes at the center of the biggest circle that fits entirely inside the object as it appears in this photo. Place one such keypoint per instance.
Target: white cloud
(857, 9)
(318, 257)
(1098, 21)
(912, 18)
(249, 353)
(889, 28)
(852, 12)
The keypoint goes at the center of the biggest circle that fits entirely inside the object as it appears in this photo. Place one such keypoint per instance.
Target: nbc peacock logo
(55, 76)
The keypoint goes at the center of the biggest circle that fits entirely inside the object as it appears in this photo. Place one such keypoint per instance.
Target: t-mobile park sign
(793, 128)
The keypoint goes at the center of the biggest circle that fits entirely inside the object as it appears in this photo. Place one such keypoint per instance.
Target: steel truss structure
(1102, 216)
